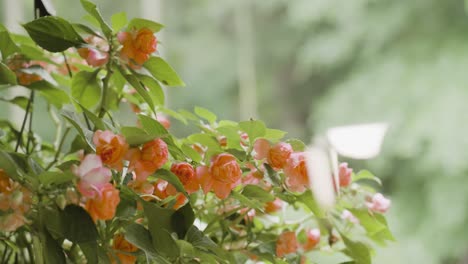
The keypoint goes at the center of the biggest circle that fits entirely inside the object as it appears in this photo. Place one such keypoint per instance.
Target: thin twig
(23, 125)
(57, 154)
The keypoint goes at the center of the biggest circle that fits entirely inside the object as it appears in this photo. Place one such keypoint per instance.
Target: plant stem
(105, 82)
(23, 125)
(38, 257)
(30, 133)
(57, 154)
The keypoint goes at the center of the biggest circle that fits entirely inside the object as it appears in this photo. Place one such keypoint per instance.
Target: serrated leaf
(50, 177)
(85, 29)
(79, 226)
(53, 33)
(118, 21)
(191, 153)
(7, 45)
(154, 89)
(152, 126)
(136, 136)
(94, 12)
(366, 175)
(7, 76)
(257, 193)
(183, 219)
(357, 250)
(138, 23)
(163, 72)
(253, 128)
(85, 88)
(141, 238)
(135, 83)
(205, 114)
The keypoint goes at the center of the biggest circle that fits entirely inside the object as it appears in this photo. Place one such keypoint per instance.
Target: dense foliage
(106, 192)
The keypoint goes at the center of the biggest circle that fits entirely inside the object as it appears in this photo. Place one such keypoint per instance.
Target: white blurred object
(358, 141)
(362, 141)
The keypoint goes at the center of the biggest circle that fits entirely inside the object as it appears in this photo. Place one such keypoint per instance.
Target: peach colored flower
(150, 158)
(274, 206)
(296, 172)
(345, 174)
(122, 245)
(15, 201)
(221, 177)
(93, 56)
(313, 238)
(261, 147)
(142, 187)
(137, 45)
(186, 174)
(379, 203)
(286, 244)
(164, 121)
(93, 176)
(18, 63)
(104, 206)
(111, 148)
(163, 190)
(279, 154)
(12, 221)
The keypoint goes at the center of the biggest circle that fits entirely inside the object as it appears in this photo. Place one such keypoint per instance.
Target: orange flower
(279, 154)
(286, 244)
(223, 175)
(151, 157)
(5, 182)
(163, 189)
(274, 206)
(111, 148)
(261, 147)
(137, 46)
(345, 174)
(104, 206)
(122, 245)
(95, 56)
(15, 201)
(313, 238)
(296, 172)
(186, 174)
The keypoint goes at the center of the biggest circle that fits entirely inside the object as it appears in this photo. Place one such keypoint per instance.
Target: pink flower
(93, 176)
(345, 174)
(274, 206)
(296, 172)
(286, 244)
(221, 177)
(279, 154)
(348, 216)
(94, 57)
(379, 203)
(313, 238)
(261, 147)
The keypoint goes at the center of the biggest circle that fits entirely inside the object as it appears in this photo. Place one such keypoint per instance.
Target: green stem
(105, 82)
(30, 132)
(23, 125)
(57, 154)
(38, 257)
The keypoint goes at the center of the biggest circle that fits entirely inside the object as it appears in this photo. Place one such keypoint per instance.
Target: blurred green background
(306, 65)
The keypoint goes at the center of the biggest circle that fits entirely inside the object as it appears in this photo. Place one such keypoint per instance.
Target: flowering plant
(104, 192)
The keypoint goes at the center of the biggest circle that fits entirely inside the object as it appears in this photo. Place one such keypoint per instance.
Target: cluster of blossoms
(15, 202)
(20, 65)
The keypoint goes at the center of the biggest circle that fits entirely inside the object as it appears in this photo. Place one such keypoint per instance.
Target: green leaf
(98, 122)
(53, 95)
(90, 250)
(200, 241)
(7, 45)
(86, 89)
(136, 136)
(368, 221)
(163, 72)
(255, 192)
(8, 164)
(191, 153)
(296, 144)
(154, 89)
(205, 140)
(357, 250)
(79, 225)
(366, 175)
(152, 126)
(118, 21)
(52, 251)
(38, 70)
(274, 134)
(94, 12)
(138, 23)
(53, 33)
(85, 29)
(172, 179)
(7, 76)
(205, 114)
(182, 220)
(127, 206)
(160, 224)
(135, 83)
(85, 134)
(246, 201)
(272, 174)
(50, 177)
(253, 128)
(308, 199)
(141, 238)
